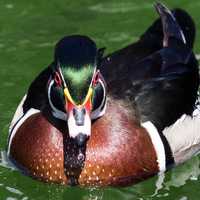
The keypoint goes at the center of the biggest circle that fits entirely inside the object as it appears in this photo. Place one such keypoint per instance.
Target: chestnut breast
(118, 152)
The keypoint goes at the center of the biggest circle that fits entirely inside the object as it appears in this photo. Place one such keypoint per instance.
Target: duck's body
(149, 87)
(157, 71)
(110, 160)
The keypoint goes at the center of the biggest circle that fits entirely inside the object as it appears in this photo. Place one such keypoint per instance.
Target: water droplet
(81, 157)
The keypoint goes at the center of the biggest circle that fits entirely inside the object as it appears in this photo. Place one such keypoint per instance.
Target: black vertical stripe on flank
(168, 152)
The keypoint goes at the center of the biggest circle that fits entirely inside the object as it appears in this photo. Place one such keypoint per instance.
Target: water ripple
(45, 44)
(5, 162)
(9, 6)
(119, 7)
(13, 190)
(11, 198)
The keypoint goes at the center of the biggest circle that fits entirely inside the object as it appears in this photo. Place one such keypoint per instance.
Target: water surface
(28, 33)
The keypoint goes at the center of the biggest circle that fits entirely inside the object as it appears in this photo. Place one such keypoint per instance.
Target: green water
(28, 32)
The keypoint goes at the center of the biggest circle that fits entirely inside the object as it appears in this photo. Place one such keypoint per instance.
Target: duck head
(76, 89)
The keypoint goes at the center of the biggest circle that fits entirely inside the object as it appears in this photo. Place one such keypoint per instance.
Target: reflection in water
(19, 186)
(9, 6)
(13, 190)
(5, 162)
(179, 176)
(121, 7)
(27, 34)
(163, 185)
(94, 194)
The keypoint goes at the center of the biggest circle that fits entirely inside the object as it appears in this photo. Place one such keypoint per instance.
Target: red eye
(96, 78)
(57, 79)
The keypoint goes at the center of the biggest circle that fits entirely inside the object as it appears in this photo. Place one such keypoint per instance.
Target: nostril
(79, 116)
(81, 139)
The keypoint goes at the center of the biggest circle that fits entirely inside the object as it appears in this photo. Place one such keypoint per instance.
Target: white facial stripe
(100, 111)
(62, 77)
(104, 92)
(93, 76)
(55, 112)
(74, 130)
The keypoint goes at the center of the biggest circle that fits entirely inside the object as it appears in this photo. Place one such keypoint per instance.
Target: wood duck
(94, 120)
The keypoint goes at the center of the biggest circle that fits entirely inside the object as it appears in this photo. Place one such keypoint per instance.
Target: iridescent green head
(78, 81)
(77, 57)
(77, 88)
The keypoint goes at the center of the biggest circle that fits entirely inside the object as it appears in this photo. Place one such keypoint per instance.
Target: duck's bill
(79, 122)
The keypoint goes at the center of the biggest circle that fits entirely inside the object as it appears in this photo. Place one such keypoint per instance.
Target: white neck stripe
(100, 111)
(55, 112)
(157, 143)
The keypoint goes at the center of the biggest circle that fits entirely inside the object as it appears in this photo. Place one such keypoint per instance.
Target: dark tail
(171, 29)
(177, 24)
(187, 25)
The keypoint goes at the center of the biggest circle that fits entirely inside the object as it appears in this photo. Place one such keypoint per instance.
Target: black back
(161, 81)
